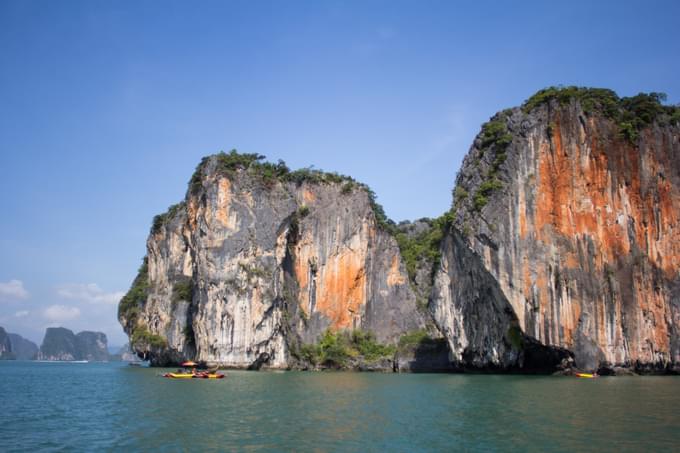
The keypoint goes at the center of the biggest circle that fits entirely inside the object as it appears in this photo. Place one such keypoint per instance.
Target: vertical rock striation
(567, 210)
(259, 260)
(562, 245)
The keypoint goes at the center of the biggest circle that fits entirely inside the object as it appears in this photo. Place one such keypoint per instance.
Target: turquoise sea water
(112, 407)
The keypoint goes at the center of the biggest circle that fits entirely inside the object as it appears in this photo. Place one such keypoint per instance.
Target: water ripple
(110, 407)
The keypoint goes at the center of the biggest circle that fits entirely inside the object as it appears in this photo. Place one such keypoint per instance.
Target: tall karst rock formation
(562, 242)
(570, 208)
(259, 260)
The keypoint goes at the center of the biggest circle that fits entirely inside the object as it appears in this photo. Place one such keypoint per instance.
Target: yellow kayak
(194, 376)
(586, 375)
(179, 375)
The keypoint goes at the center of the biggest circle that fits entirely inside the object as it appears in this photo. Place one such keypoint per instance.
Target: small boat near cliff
(194, 375)
(586, 375)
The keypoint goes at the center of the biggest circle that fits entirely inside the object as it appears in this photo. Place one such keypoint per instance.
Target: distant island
(15, 347)
(59, 344)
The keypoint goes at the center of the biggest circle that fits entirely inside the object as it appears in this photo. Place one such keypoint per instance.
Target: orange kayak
(209, 376)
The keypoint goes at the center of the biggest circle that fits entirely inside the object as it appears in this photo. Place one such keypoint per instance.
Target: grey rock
(92, 346)
(431, 355)
(5, 346)
(23, 349)
(59, 344)
(560, 251)
(272, 265)
(578, 245)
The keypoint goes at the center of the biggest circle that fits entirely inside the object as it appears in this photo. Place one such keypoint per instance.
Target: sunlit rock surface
(561, 250)
(578, 242)
(268, 265)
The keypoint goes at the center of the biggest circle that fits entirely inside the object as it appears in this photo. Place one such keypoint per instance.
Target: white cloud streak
(90, 293)
(13, 290)
(59, 313)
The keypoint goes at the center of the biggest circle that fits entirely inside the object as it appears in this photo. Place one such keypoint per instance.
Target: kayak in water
(179, 375)
(208, 376)
(586, 375)
(194, 375)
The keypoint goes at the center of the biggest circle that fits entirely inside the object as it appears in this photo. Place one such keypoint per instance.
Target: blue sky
(106, 108)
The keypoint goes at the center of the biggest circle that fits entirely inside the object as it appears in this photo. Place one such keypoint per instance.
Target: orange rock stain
(223, 201)
(342, 291)
(394, 276)
(576, 196)
(340, 283)
(632, 207)
(308, 196)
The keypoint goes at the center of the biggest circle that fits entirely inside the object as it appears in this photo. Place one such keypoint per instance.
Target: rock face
(92, 346)
(567, 228)
(61, 344)
(430, 355)
(252, 265)
(5, 346)
(22, 348)
(561, 249)
(127, 354)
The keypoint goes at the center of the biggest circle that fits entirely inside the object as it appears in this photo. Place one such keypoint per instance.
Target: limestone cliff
(92, 346)
(258, 261)
(561, 245)
(59, 344)
(566, 227)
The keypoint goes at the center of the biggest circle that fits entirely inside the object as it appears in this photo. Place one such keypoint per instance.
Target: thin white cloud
(59, 313)
(21, 313)
(13, 290)
(90, 293)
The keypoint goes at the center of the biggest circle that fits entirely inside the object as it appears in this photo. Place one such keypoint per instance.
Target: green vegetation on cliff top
(631, 114)
(269, 174)
(161, 220)
(495, 138)
(495, 133)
